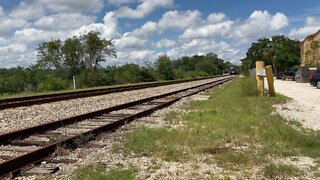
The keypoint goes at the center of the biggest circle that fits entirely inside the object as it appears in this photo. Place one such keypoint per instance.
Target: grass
(231, 116)
(90, 172)
(159, 141)
(274, 171)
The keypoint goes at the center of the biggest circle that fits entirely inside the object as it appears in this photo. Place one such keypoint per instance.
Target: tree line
(279, 51)
(81, 56)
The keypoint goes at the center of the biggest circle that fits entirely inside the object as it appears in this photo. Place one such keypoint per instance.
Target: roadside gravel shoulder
(304, 105)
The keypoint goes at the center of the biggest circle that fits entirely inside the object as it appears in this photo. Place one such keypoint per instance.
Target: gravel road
(304, 106)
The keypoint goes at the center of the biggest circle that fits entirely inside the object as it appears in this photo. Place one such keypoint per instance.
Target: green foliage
(248, 86)
(95, 49)
(12, 80)
(164, 67)
(315, 52)
(274, 171)
(52, 84)
(206, 65)
(90, 172)
(284, 51)
(60, 60)
(146, 141)
(75, 54)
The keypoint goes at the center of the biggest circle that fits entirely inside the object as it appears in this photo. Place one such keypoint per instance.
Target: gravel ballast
(149, 167)
(22, 117)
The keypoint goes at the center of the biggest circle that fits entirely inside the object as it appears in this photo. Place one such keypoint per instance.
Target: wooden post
(270, 80)
(74, 82)
(260, 73)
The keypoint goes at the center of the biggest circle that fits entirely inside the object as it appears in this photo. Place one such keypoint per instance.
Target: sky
(142, 30)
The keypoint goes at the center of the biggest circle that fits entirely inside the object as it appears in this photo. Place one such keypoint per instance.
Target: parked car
(315, 78)
(302, 75)
(289, 73)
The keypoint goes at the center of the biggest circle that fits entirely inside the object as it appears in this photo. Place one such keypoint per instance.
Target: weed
(148, 141)
(90, 172)
(274, 171)
(248, 87)
(116, 147)
(172, 117)
(78, 142)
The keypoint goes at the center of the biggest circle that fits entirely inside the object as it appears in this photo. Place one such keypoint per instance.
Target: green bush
(10, 85)
(248, 87)
(52, 84)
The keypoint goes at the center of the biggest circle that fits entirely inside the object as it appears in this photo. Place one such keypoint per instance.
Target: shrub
(52, 84)
(248, 87)
(11, 85)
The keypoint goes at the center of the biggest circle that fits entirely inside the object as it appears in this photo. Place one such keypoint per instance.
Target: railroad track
(40, 99)
(30, 146)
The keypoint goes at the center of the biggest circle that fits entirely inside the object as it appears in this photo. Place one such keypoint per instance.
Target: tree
(72, 52)
(50, 55)
(164, 67)
(75, 54)
(281, 52)
(315, 47)
(96, 49)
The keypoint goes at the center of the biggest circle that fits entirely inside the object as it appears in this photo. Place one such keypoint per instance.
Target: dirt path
(305, 104)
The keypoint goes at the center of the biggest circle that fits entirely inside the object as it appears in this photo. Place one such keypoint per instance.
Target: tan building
(310, 50)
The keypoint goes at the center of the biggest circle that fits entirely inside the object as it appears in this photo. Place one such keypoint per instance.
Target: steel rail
(40, 99)
(23, 133)
(15, 164)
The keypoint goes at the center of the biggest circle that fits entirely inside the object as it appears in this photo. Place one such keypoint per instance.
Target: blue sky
(144, 29)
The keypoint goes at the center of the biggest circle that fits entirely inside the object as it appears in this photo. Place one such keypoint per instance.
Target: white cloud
(33, 9)
(27, 10)
(64, 21)
(278, 21)
(259, 24)
(120, 2)
(3, 41)
(312, 21)
(140, 55)
(2, 13)
(179, 20)
(135, 56)
(109, 29)
(145, 30)
(15, 55)
(165, 43)
(32, 37)
(216, 18)
(72, 6)
(208, 31)
(16, 48)
(312, 25)
(10, 24)
(128, 43)
(204, 46)
(145, 8)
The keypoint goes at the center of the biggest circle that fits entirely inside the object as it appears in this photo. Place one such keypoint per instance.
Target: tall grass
(248, 86)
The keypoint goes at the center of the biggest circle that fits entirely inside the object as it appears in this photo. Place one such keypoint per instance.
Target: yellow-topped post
(260, 74)
(270, 80)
